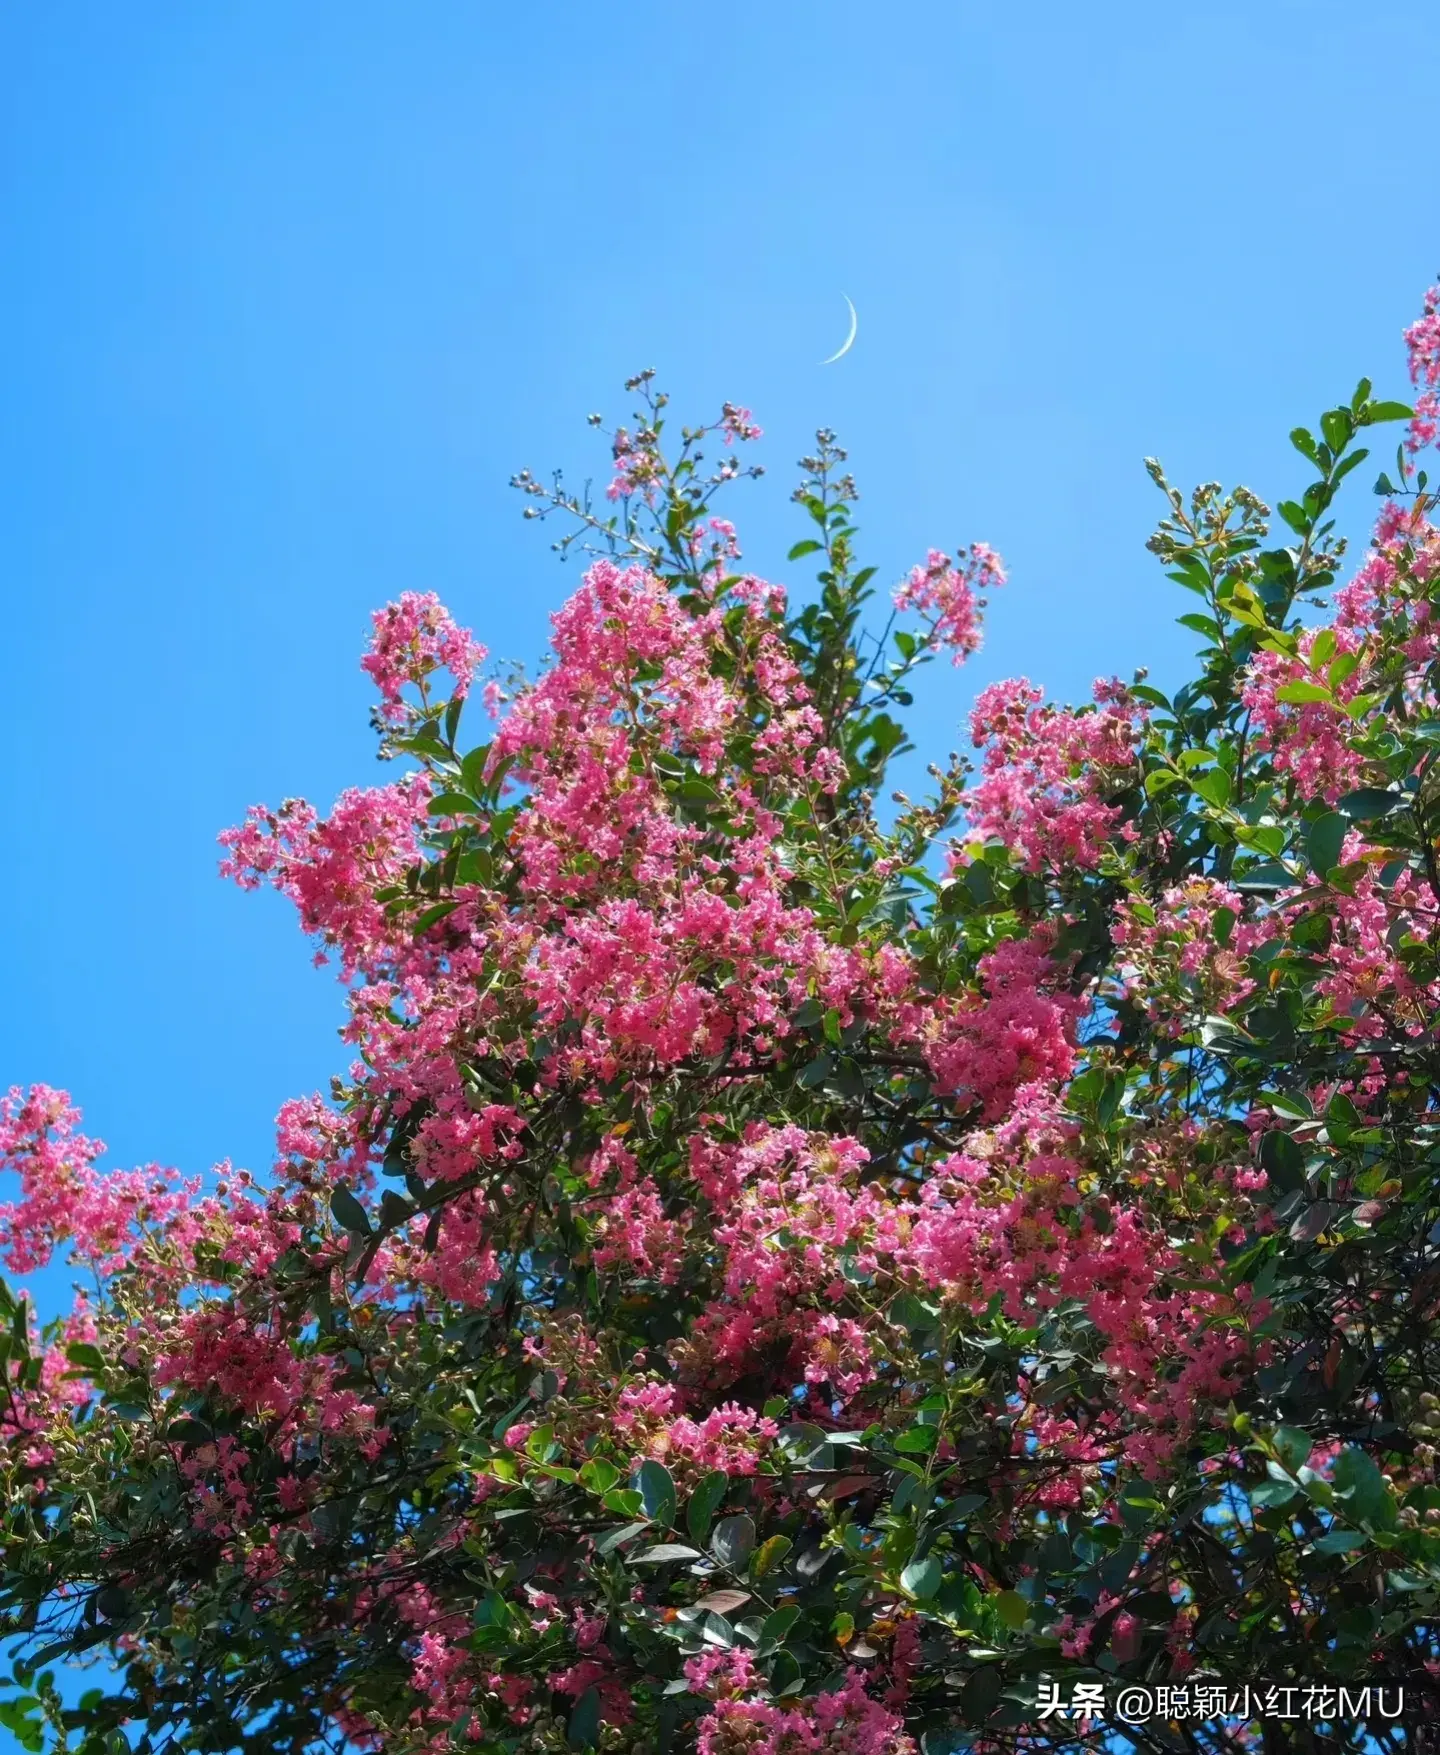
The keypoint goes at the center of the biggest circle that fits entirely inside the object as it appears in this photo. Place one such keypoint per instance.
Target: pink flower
(1048, 774)
(1422, 343)
(947, 594)
(1309, 739)
(413, 638)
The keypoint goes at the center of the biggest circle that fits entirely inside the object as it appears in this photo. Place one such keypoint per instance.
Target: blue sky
(289, 293)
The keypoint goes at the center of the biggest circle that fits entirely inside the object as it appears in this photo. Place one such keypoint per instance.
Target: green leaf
(1324, 840)
(1358, 1481)
(775, 1627)
(1337, 426)
(769, 1555)
(1267, 1494)
(705, 1502)
(918, 1441)
(85, 1354)
(607, 1544)
(657, 1492)
(348, 1211)
(1378, 411)
(1342, 665)
(113, 1602)
(1266, 876)
(733, 1541)
(583, 1730)
(1295, 1104)
(816, 1072)
(189, 1432)
(806, 1445)
(1012, 1609)
(437, 912)
(1339, 1541)
(1368, 803)
(1292, 1446)
(960, 1508)
(1298, 693)
(1202, 624)
(624, 1502)
(663, 1552)
(1214, 787)
(1304, 443)
(598, 1475)
(472, 768)
(808, 547)
(395, 1210)
(921, 1578)
(1282, 1160)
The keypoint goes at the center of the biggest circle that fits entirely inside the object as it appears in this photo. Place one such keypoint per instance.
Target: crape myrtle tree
(786, 1270)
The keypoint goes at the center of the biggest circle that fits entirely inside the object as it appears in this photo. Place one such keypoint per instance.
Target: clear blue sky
(288, 292)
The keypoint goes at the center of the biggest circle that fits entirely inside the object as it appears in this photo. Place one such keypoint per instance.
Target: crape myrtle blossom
(414, 637)
(758, 1285)
(1047, 776)
(1422, 342)
(950, 596)
(1186, 955)
(1301, 721)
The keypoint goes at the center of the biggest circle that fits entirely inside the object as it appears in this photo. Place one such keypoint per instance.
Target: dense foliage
(784, 1273)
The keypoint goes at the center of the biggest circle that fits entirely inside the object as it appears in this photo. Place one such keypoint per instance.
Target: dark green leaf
(1358, 1481)
(775, 1627)
(1292, 1446)
(657, 1492)
(1339, 1541)
(1267, 1494)
(613, 1538)
(348, 1211)
(1368, 803)
(583, 1730)
(733, 1541)
(1323, 841)
(921, 1578)
(705, 1502)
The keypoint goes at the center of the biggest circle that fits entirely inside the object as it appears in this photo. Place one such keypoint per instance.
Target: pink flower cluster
(413, 638)
(729, 1437)
(1018, 1031)
(1309, 735)
(948, 595)
(1175, 963)
(64, 1199)
(1422, 342)
(1048, 775)
(846, 1721)
(330, 868)
(1366, 977)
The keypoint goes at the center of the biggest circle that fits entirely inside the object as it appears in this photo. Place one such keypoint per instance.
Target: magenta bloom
(412, 639)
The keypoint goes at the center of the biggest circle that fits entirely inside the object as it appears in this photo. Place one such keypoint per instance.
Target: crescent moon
(849, 339)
